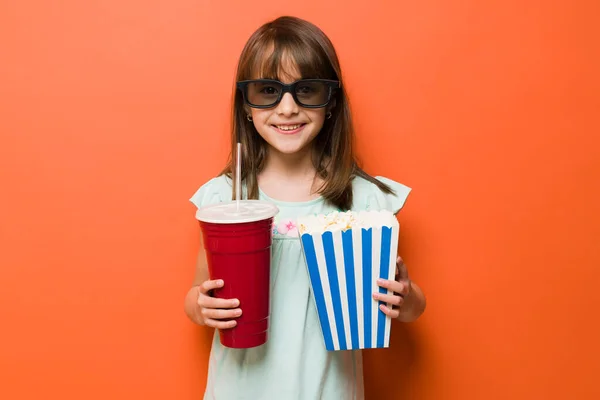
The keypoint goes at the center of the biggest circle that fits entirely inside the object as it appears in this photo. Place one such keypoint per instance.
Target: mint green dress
(293, 364)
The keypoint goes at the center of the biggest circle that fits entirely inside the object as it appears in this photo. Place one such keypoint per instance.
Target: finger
(401, 270)
(389, 299)
(389, 312)
(207, 286)
(394, 286)
(402, 288)
(211, 313)
(220, 324)
(214, 302)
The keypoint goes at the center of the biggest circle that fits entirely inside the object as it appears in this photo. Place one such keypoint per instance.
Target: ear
(331, 105)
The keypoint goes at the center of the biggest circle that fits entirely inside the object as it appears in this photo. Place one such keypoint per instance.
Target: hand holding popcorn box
(346, 252)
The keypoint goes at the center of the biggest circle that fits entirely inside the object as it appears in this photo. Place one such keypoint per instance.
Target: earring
(249, 117)
(328, 115)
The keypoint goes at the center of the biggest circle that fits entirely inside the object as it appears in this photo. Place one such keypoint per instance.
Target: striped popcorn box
(345, 254)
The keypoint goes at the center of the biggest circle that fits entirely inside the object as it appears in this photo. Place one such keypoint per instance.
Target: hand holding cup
(215, 312)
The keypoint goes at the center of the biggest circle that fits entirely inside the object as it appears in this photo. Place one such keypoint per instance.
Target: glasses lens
(263, 93)
(312, 93)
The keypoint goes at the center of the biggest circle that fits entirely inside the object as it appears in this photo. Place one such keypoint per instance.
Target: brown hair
(314, 57)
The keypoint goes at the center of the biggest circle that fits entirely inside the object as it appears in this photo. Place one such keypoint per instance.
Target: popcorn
(345, 253)
(343, 221)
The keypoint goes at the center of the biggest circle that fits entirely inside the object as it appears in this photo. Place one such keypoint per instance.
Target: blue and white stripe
(343, 268)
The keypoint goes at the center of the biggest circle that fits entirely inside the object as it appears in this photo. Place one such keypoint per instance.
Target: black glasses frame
(288, 88)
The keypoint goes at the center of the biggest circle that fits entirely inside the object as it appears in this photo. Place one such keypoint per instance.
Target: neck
(290, 166)
(290, 177)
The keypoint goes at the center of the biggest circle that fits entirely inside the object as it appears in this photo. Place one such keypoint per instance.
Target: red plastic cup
(238, 251)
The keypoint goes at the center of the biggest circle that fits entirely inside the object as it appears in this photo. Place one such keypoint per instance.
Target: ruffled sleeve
(369, 197)
(217, 190)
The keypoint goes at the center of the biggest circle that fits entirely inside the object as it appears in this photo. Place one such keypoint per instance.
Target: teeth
(288, 127)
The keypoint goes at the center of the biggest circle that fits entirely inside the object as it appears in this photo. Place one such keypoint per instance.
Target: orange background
(112, 113)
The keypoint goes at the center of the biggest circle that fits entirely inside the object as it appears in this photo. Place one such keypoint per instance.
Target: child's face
(289, 128)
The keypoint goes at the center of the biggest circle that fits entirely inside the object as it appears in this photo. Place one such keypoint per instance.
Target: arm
(191, 307)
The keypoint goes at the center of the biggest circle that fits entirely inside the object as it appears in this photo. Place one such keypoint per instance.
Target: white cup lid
(228, 213)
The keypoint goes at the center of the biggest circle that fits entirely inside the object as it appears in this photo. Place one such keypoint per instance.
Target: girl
(291, 112)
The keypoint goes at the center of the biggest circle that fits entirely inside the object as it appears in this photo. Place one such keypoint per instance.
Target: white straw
(238, 175)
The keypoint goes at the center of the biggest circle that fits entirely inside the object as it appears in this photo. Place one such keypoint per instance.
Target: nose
(287, 106)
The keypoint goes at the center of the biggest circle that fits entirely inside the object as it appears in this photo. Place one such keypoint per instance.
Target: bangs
(287, 58)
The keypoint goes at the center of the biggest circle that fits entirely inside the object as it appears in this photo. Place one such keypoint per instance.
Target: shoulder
(214, 191)
(368, 196)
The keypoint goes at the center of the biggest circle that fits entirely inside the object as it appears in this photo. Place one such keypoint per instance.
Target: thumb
(401, 269)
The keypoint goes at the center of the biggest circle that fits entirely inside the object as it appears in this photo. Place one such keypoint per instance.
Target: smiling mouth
(288, 128)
